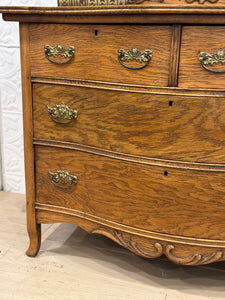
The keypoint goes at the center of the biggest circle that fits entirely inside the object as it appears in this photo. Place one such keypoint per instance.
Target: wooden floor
(75, 265)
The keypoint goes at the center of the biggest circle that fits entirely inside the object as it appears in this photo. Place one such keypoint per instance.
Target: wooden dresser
(124, 124)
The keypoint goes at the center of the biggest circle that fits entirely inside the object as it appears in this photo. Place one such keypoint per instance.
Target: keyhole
(170, 103)
(96, 32)
(165, 174)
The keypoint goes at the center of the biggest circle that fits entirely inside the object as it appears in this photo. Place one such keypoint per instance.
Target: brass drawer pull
(62, 111)
(134, 54)
(63, 177)
(59, 50)
(207, 59)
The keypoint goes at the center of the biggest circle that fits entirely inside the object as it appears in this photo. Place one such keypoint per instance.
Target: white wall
(11, 126)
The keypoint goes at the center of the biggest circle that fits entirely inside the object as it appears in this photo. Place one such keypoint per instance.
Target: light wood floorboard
(75, 265)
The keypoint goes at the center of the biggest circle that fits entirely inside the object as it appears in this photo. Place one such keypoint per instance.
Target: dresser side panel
(33, 228)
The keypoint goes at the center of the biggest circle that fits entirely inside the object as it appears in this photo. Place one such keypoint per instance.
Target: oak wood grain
(151, 16)
(149, 247)
(160, 126)
(96, 56)
(132, 158)
(137, 88)
(196, 39)
(34, 229)
(159, 8)
(149, 157)
(175, 55)
(79, 218)
(177, 202)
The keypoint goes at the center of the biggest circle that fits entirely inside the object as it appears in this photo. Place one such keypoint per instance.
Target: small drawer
(202, 59)
(173, 201)
(102, 52)
(161, 126)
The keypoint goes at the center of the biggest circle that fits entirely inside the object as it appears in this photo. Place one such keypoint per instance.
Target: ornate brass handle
(207, 59)
(134, 54)
(59, 50)
(63, 177)
(62, 111)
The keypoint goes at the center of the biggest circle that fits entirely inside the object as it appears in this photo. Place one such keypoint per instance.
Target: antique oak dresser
(124, 124)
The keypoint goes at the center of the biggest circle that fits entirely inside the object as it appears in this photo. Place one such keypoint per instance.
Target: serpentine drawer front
(124, 124)
(162, 126)
(115, 190)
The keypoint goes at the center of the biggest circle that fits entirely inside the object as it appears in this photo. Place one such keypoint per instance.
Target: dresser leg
(35, 240)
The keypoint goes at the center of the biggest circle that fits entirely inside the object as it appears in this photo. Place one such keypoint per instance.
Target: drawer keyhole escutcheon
(134, 55)
(165, 174)
(62, 112)
(170, 103)
(62, 179)
(96, 32)
(59, 50)
(208, 59)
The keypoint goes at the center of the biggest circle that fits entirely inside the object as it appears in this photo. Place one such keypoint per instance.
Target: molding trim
(133, 88)
(46, 213)
(110, 10)
(132, 158)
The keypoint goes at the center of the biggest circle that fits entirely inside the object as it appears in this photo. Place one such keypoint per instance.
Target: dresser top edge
(119, 9)
(117, 14)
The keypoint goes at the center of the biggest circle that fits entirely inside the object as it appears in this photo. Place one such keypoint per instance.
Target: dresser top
(154, 13)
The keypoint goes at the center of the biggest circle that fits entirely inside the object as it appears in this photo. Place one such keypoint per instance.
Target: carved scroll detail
(130, 245)
(202, 1)
(194, 259)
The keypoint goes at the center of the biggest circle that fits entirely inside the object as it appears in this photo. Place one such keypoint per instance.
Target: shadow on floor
(74, 241)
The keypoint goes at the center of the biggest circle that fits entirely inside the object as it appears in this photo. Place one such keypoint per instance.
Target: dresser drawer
(96, 52)
(202, 59)
(184, 202)
(162, 126)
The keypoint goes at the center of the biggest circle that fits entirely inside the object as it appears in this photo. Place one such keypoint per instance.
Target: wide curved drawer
(181, 202)
(96, 52)
(160, 126)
